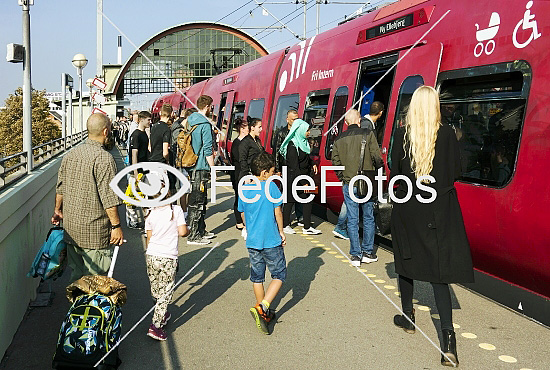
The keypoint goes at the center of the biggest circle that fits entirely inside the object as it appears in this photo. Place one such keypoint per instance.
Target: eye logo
(292, 58)
(152, 184)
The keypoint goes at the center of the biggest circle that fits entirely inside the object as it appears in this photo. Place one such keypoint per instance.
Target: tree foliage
(44, 128)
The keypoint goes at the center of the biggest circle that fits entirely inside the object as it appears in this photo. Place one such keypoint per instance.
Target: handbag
(362, 188)
(382, 215)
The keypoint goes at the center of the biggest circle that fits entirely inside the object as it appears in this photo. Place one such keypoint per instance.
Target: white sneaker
(202, 241)
(311, 231)
(209, 235)
(289, 230)
(244, 234)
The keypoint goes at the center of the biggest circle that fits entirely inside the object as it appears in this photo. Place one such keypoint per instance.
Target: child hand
(283, 238)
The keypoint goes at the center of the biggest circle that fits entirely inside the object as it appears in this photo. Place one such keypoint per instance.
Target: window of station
(486, 107)
(338, 110)
(285, 103)
(315, 113)
(237, 117)
(408, 87)
(255, 110)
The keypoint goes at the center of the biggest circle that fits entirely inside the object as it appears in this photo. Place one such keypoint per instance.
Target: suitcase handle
(113, 260)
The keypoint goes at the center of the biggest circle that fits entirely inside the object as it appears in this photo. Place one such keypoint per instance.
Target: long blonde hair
(421, 126)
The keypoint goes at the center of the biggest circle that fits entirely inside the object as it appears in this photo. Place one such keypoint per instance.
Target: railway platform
(331, 315)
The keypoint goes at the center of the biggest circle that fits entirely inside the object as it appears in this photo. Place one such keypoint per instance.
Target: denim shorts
(274, 258)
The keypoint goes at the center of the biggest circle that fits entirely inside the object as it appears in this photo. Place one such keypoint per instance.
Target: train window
(255, 109)
(315, 113)
(338, 110)
(237, 116)
(285, 103)
(409, 85)
(486, 107)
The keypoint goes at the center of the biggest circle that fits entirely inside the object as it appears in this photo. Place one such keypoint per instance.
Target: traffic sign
(99, 98)
(97, 110)
(99, 83)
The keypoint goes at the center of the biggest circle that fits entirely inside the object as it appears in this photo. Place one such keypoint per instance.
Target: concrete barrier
(25, 212)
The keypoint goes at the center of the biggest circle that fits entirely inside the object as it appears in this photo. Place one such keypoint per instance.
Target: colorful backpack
(90, 329)
(51, 260)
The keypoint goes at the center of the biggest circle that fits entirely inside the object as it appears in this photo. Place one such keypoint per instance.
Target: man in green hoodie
(201, 140)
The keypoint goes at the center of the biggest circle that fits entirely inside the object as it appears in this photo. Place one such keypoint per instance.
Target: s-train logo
(296, 66)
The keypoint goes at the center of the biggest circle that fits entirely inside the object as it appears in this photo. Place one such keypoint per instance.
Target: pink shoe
(156, 333)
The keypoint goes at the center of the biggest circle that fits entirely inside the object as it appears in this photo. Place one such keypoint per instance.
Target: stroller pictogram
(487, 34)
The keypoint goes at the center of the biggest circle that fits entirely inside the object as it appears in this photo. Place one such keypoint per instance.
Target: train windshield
(486, 107)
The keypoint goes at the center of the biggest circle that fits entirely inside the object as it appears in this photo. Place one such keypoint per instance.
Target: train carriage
(490, 62)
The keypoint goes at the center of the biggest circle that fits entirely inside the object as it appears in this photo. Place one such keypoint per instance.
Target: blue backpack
(51, 260)
(91, 328)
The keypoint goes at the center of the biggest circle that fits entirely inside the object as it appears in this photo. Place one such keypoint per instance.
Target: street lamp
(89, 83)
(80, 61)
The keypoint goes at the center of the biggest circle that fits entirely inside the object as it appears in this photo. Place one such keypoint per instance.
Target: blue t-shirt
(261, 225)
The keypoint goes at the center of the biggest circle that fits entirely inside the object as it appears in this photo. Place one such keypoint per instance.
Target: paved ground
(330, 315)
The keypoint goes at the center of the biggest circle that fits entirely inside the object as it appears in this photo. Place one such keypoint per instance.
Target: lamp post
(80, 61)
(89, 83)
(27, 95)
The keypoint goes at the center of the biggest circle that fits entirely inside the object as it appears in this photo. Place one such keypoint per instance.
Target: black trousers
(306, 209)
(238, 217)
(197, 204)
(442, 300)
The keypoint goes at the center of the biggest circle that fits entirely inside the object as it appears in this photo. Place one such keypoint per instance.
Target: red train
(490, 62)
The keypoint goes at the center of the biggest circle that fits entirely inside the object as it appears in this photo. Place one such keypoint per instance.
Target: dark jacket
(367, 123)
(298, 163)
(249, 148)
(276, 142)
(429, 239)
(235, 160)
(347, 151)
(201, 140)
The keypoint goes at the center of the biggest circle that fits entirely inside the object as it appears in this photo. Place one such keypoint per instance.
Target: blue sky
(62, 28)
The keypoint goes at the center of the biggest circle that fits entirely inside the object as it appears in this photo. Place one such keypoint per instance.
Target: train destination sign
(416, 18)
(392, 26)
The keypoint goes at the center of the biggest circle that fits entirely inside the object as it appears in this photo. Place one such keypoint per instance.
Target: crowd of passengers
(429, 239)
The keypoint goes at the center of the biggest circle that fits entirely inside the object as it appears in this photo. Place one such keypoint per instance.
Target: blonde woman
(429, 239)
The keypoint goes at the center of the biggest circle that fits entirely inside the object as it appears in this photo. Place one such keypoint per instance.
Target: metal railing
(15, 166)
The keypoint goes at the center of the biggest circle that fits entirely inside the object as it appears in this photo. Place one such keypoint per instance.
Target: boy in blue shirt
(264, 223)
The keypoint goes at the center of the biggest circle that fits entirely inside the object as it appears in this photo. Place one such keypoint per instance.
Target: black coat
(235, 161)
(249, 148)
(298, 163)
(429, 240)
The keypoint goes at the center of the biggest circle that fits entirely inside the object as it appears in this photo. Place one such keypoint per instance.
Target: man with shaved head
(347, 152)
(86, 203)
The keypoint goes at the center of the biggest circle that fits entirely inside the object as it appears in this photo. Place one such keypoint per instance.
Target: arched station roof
(186, 54)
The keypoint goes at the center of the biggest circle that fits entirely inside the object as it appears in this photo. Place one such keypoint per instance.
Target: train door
(222, 121)
(235, 121)
(374, 83)
(419, 67)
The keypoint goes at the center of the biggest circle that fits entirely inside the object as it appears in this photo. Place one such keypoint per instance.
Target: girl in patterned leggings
(163, 225)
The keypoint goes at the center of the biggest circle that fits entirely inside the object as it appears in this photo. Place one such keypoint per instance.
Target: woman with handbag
(429, 239)
(296, 149)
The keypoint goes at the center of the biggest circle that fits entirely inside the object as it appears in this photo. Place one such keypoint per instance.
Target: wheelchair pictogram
(487, 34)
(527, 22)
